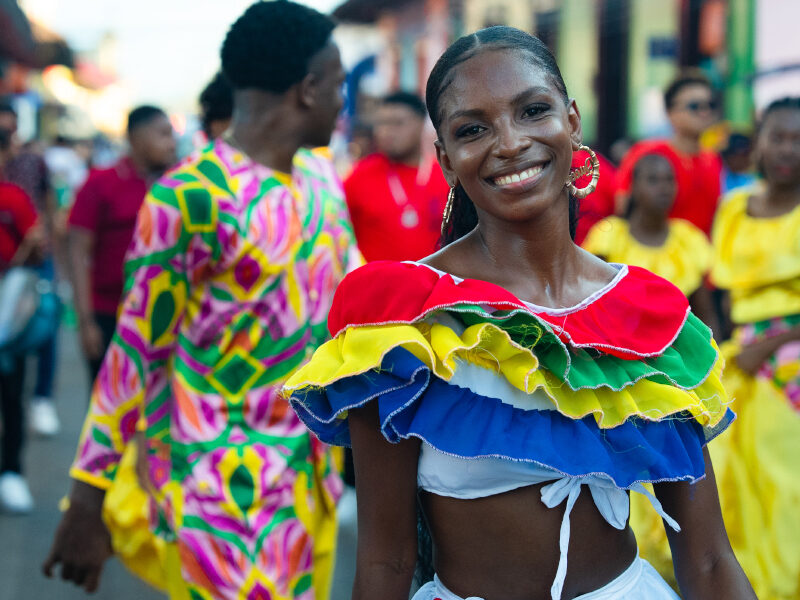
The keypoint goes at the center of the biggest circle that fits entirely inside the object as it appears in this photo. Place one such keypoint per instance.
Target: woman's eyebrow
(519, 98)
(536, 89)
(469, 112)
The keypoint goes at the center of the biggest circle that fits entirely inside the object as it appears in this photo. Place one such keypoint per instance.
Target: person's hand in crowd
(33, 248)
(752, 357)
(91, 338)
(82, 543)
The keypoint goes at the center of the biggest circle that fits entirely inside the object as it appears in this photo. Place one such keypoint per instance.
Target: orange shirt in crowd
(396, 209)
(698, 177)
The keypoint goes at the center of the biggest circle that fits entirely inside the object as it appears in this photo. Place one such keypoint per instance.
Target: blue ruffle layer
(412, 402)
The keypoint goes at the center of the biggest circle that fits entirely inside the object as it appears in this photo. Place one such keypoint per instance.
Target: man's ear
(307, 90)
(576, 129)
(444, 162)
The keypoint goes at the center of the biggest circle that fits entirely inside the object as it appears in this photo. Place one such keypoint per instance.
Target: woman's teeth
(520, 177)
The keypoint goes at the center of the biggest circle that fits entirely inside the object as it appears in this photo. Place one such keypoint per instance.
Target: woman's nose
(510, 140)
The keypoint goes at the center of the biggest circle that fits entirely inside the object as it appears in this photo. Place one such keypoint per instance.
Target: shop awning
(16, 43)
(29, 44)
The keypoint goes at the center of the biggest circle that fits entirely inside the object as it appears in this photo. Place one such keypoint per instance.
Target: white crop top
(465, 478)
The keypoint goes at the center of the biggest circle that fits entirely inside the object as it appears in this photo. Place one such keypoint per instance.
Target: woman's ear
(576, 130)
(444, 162)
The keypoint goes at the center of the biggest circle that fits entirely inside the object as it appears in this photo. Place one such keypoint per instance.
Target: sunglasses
(700, 106)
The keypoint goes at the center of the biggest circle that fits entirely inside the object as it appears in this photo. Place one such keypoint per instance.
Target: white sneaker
(43, 416)
(15, 497)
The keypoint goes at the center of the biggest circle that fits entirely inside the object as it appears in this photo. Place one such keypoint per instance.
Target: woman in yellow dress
(757, 258)
(680, 253)
(671, 248)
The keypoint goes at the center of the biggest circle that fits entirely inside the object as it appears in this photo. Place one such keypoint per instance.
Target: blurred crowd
(721, 223)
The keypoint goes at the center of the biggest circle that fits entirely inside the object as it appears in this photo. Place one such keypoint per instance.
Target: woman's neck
(537, 261)
(781, 199)
(647, 228)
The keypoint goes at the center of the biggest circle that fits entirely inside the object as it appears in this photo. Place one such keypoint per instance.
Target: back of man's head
(269, 47)
(216, 105)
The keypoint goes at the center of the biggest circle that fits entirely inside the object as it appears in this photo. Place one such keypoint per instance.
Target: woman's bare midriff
(505, 547)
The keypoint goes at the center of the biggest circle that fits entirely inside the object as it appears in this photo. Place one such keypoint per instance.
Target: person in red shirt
(20, 241)
(396, 200)
(691, 110)
(102, 222)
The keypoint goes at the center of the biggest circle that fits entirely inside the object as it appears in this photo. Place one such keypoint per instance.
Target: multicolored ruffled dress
(758, 465)
(230, 276)
(616, 392)
(684, 258)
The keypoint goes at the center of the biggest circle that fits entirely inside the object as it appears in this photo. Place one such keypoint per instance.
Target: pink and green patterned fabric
(783, 367)
(229, 279)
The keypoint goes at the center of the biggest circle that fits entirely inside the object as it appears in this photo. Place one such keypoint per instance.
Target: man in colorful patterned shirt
(230, 276)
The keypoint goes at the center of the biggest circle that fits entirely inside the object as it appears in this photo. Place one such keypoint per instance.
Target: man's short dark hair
(270, 46)
(142, 115)
(412, 101)
(216, 101)
(682, 81)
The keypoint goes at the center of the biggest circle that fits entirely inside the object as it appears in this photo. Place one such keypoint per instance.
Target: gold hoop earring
(590, 166)
(448, 209)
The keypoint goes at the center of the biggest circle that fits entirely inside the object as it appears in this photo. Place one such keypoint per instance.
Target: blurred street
(26, 540)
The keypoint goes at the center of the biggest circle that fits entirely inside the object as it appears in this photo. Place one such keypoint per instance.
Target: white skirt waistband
(639, 581)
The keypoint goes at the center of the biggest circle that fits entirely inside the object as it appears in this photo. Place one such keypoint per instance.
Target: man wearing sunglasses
(691, 109)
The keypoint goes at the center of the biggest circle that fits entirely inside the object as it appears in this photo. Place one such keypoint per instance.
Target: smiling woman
(494, 380)
(467, 131)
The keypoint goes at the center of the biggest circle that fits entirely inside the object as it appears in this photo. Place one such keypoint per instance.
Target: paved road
(24, 541)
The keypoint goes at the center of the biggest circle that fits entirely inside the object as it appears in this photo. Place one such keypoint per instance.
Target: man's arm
(80, 247)
(85, 219)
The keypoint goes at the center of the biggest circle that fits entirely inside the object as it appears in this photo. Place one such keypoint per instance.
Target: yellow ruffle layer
(360, 349)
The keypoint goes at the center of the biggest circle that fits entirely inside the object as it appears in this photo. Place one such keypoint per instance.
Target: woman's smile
(519, 180)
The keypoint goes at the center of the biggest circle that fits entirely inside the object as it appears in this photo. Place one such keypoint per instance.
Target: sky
(166, 49)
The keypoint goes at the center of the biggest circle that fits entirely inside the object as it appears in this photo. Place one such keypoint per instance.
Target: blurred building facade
(616, 55)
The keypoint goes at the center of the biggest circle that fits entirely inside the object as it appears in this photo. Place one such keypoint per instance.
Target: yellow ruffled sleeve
(757, 260)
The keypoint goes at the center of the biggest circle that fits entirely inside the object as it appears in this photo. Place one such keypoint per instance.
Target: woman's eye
(535, 110)
(469, 131)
